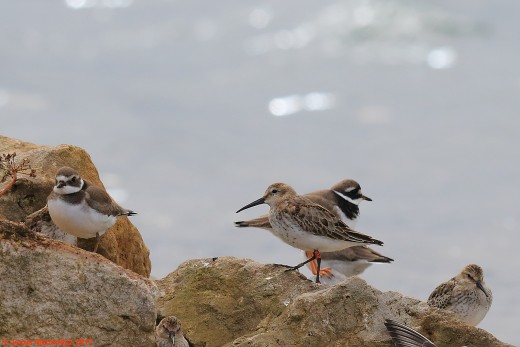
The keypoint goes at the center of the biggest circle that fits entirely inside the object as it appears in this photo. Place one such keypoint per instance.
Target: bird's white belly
(473, 308)
(294, 235)
(477, 316)
(79, 220)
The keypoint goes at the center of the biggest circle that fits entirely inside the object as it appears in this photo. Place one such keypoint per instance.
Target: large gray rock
(238, 302)
(51, 290)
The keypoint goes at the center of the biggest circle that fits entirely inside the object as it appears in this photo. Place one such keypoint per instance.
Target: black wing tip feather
(377, 242)
(383, 259)
(404, 336)
(361, 238)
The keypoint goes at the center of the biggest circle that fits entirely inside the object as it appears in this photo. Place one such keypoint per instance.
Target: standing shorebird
(465, 294)
(343, 200)
(301, 223)
(168, 333)
(80, 208)
(404, 336)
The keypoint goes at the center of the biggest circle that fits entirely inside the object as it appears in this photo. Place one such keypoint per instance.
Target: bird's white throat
(343, 196)
(67, 189)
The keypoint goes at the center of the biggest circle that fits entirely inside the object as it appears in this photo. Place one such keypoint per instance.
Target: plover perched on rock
(80, 208)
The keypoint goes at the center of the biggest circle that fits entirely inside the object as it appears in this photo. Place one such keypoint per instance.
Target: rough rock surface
(53, 291)
(122, 243)
(238, 302)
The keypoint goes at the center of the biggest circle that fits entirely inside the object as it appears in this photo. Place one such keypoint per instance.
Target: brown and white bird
(303, 224)
(80, 208)
(466, 295)
(168, 333)
(404, 336)
(343, 200)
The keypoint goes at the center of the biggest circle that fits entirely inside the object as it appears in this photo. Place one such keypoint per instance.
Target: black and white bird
(80, 208)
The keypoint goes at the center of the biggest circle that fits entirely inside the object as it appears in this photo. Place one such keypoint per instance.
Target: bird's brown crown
(278, 192)
(473, 272)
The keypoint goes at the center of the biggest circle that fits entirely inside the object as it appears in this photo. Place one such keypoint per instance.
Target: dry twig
(9, 169)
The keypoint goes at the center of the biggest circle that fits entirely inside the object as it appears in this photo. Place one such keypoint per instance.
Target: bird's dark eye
(73, 179)
(274, 191)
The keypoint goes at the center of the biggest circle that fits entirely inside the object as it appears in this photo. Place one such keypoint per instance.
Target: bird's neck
(346, 205)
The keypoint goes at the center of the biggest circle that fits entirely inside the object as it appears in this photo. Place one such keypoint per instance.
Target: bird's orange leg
(325, 272)
(317, 255)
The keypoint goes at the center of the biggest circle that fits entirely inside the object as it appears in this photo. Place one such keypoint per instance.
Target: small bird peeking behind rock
(80, 208)
(466, 295)
(169, 333)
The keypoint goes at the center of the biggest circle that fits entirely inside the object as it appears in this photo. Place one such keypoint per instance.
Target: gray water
(191, 109)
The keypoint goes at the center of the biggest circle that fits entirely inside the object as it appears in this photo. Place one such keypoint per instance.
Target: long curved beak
(365, 198)
(254, 203)
(481, 287)
(171, 335)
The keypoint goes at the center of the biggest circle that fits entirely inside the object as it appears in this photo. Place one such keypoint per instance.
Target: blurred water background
(191, 109)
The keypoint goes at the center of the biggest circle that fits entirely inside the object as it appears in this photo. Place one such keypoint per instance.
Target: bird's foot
(326, 272)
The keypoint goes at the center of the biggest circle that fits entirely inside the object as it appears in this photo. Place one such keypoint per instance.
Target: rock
(237, 302)
(218, 301)
(51, 290)
(122, 243)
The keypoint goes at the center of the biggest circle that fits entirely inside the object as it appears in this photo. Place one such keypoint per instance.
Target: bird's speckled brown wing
(317, 220)
(440, 297)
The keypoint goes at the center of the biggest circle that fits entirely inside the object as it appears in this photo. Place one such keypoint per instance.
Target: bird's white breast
(80, 219)
(291, 233)
(473, 307)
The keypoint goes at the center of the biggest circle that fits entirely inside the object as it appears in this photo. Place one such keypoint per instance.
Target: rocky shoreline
(55, 289)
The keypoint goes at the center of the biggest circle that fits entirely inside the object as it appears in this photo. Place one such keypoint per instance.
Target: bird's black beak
(254, 203)
(365, 198)
(60, 184)
(171, 336)
(481, 287)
